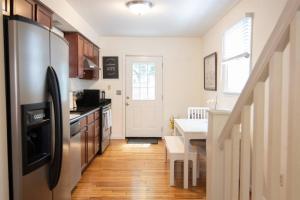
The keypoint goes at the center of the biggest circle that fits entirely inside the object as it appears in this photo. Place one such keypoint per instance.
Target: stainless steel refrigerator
(38, 113)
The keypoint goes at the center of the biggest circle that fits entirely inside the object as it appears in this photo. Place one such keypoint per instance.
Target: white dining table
(190, 129)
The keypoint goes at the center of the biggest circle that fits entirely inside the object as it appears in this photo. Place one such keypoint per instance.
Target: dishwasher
(75, 153)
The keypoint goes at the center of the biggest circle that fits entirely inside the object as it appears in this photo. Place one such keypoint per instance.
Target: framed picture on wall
(210, 72)
(110, 67)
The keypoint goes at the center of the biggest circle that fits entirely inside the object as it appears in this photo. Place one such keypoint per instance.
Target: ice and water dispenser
(36, 136)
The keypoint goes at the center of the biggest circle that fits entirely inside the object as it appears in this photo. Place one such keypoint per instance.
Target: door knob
(127, 104)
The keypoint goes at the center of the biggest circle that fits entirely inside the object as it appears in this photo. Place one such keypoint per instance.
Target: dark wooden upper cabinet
(80, 57)
(96, 61)
(90, 50)
(25, 8)
(43, 15)
(79, 49)
(96, 55)
(73, 51)
(85, 48)
(31, 9)
(6, 7)
(76, 55)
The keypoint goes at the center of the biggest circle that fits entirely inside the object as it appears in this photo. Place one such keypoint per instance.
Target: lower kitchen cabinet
(83, 149)
(89, 138)
(97, 143)
(91, 142)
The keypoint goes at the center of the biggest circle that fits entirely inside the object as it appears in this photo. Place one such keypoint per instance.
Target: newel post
(215, 155)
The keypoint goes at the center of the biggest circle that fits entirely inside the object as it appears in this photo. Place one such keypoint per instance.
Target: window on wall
(143, 81)
(236, 58)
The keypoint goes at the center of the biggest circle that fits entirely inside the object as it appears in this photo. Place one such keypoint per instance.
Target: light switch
(108, 87)
(118, 92)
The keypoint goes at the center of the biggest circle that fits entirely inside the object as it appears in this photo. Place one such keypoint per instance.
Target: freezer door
(28, 61)
(59, 50)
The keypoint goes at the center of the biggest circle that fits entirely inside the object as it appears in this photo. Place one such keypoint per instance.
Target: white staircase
(254, 152)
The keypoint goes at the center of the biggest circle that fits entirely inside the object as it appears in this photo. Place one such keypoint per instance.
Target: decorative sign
(210, 72)
(110, 67)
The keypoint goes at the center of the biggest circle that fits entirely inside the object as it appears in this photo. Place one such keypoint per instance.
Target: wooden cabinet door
(83, 149)
(96, 73)
(97, 135)
(96, 60)
(96, 55)
(24, 8)
(90, 50)
(91, 118)
(97, 147)
(97, 115)
(86, 48)
(43, 16)
(80, 57)
(97, 128)
(91, 141)
(6, 7)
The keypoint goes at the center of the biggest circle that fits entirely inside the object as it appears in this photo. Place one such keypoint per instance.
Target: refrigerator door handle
(54, 91)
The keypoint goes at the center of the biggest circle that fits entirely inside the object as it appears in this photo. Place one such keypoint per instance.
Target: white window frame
(133, 88)
(244, 54)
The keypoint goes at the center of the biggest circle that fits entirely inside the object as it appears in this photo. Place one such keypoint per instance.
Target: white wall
(182, 74)
(266, 14)
(63, 9)
(178, 53)
(3, 134)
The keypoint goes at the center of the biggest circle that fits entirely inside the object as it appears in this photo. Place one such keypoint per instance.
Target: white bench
(175, 151)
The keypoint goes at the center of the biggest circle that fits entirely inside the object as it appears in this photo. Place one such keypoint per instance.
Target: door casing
(125, 90)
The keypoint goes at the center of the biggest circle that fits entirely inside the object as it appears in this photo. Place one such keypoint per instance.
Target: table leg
(186, 163)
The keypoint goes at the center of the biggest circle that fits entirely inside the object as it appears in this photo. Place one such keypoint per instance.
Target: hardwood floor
(128, 171)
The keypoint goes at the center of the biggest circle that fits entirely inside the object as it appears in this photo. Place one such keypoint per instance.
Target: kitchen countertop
(81, 112)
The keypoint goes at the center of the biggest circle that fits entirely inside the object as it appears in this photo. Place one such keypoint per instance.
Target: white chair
(175, 150)
(198, 112)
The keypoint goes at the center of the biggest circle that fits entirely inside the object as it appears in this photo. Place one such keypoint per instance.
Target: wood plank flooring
(129, 171)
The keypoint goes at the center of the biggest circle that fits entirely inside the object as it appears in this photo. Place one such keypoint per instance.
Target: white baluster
(227, 169)
(245, 153)
(235, 180)
(274, 135)
(215, 169)
(293, 165)
(258, 142)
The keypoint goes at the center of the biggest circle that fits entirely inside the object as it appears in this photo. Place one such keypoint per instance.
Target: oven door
(106, 127)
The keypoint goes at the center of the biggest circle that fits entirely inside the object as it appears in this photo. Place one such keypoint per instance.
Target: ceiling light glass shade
(139, 7)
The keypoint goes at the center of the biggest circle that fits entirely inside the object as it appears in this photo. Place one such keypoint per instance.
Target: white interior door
(143, 96)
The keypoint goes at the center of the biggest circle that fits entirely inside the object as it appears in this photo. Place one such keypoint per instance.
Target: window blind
(237, 40)
(237, 56)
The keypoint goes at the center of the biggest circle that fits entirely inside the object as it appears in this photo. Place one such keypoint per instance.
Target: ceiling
(166, 19)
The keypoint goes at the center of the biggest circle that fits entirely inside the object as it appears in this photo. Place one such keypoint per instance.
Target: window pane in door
(143, 81)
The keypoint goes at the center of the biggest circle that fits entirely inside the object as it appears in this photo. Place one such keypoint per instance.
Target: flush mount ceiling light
(139, 7)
